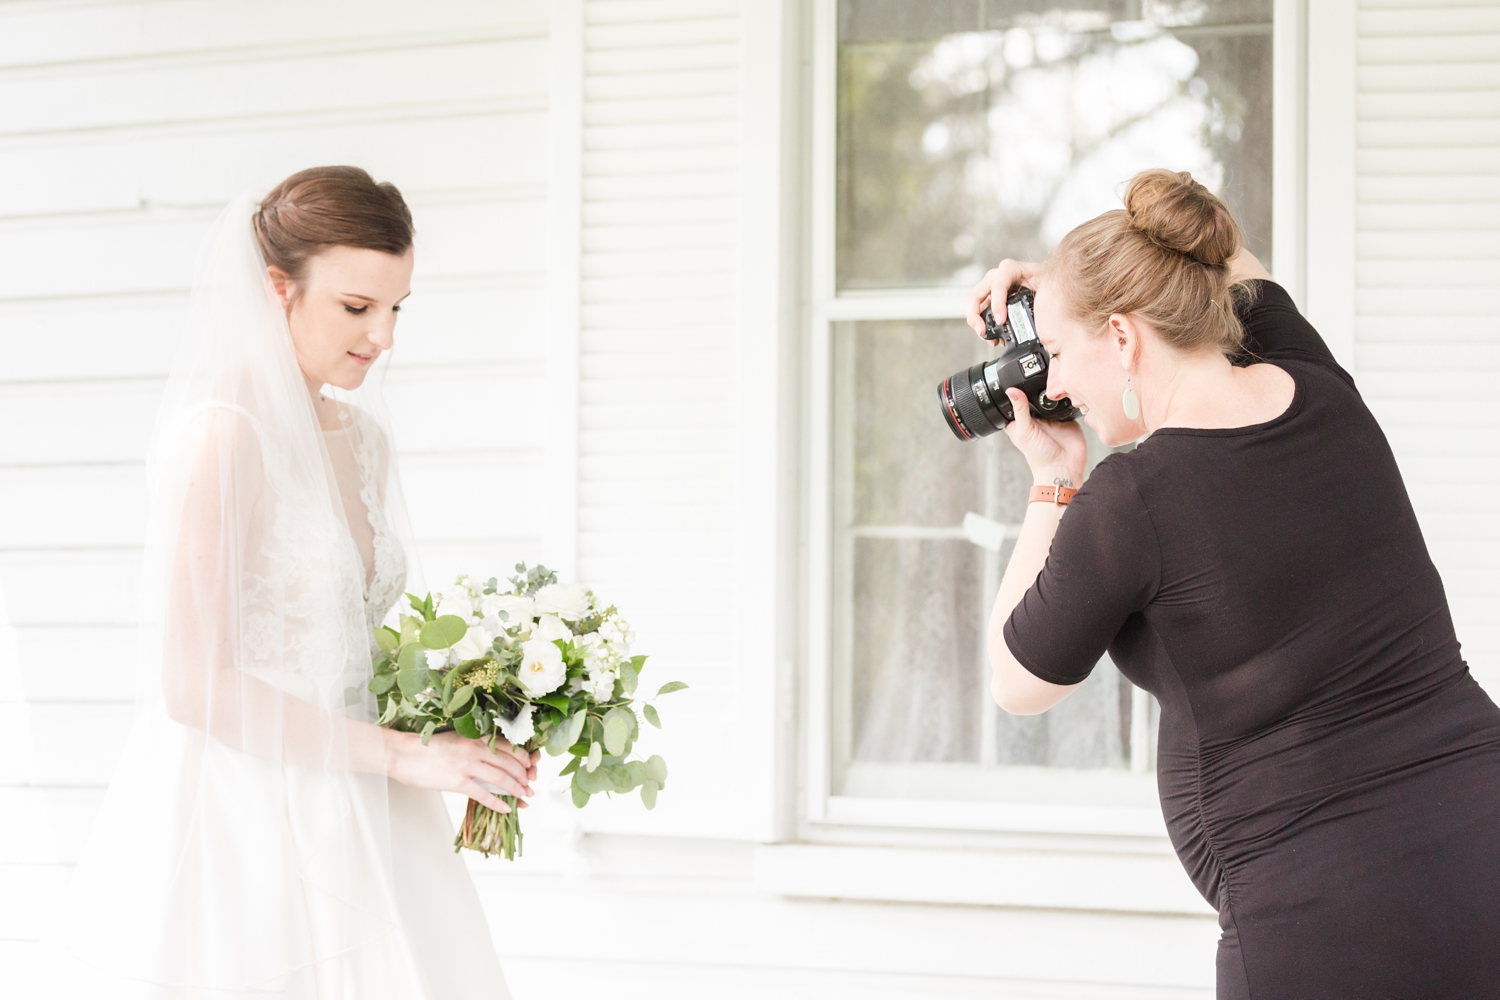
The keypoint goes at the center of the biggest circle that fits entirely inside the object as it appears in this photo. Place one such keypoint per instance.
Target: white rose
(542, 670)
(437, 659)
(551, 627)
(566, 600)
(455, 604)
(520, 729)
(519, 609)
(475, 643)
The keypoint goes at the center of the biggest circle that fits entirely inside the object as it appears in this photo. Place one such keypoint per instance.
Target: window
(949, 135)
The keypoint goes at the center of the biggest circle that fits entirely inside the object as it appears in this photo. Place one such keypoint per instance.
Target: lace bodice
(360, 464)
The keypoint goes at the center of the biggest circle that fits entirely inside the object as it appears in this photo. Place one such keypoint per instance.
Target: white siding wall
(1427, 249)
(124, 127)
(124, 124)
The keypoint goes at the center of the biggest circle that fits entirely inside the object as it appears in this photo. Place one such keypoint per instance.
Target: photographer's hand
(1056, 452)
(997, 285)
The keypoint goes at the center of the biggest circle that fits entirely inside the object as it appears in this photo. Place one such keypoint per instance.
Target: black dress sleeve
(1276, 331)
(1104, 565)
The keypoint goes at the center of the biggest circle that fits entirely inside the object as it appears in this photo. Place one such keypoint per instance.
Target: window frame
(824, 813)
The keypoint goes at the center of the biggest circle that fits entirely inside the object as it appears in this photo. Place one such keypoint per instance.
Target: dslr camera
(974, 401)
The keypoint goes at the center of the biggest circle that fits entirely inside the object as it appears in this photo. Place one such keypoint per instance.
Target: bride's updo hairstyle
(324, 207)
(1164, 257)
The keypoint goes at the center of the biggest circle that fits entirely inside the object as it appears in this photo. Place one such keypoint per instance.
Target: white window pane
(912, 593)
(969, 131)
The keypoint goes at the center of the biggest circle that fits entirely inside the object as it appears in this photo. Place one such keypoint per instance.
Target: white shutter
(657, 370)
(1427, 328)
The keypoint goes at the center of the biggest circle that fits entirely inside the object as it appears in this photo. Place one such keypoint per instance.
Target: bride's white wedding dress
(251, 845)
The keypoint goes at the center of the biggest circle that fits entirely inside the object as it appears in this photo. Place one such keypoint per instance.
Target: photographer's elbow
(1012, 700)
(1019, 691)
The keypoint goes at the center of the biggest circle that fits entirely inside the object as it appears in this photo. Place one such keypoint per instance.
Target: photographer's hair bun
(1164, 258)
(1177, 213)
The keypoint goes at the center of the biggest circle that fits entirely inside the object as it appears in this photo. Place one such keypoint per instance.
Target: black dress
(1329, 770)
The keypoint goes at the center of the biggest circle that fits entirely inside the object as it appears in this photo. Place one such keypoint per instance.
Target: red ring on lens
(957, 421)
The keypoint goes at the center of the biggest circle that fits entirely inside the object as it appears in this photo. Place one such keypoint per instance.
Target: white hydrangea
(617, 632)
(601, 684)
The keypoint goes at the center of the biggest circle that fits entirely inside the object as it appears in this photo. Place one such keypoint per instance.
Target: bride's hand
(451, 763)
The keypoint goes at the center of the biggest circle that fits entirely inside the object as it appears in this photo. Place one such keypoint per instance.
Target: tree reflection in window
(972, 130)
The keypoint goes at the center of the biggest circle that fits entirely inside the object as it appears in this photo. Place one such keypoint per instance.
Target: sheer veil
(244, 844)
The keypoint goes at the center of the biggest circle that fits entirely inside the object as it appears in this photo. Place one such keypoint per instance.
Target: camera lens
(968, 407)
(1044, 402)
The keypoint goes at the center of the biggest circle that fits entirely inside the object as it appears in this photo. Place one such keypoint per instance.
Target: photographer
(1329, 769)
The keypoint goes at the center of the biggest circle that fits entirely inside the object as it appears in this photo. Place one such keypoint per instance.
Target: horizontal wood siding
(124, 128)
(1427, 280)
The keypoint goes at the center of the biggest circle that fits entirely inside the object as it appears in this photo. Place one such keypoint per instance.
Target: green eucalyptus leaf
(557, 739)
(460, 698)
(413, 680)
(648, 793)
(617, 729)
(381, 683)
(593, 782)
(465, 726)
(387, 638)
(619, 778)
(638, 775)
(575, 725)
(580, 797)
(671, 686)
(656, 769)
(650, 712)
(427, 732)
(596, 754)
(628, 679)
(557, 701)
(444, 632)
(636, 663)
(569, 768)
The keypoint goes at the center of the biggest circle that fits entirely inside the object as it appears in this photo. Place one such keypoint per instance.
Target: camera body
(974, 401)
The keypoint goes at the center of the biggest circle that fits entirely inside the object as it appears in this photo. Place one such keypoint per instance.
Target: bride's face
(342, 313)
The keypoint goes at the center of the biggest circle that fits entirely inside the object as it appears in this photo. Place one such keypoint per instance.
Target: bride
(262, 836)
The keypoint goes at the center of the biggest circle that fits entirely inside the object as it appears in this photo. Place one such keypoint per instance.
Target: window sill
(1144, 884)
(1005, 817)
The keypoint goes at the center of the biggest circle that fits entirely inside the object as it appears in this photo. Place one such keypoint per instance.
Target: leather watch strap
(1059, 495)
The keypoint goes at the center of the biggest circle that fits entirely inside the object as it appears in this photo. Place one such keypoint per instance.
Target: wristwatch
(1061, 496)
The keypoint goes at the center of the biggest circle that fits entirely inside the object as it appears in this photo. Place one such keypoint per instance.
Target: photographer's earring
(1130, 402)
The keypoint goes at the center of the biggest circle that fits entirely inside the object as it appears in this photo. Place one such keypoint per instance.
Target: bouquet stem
(490, 832)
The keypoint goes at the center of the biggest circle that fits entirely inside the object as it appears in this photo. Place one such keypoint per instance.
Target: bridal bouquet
(540, 664)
